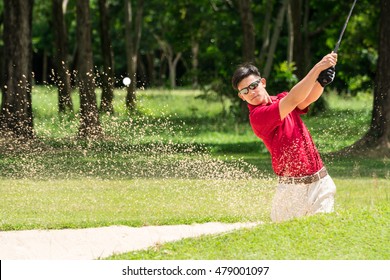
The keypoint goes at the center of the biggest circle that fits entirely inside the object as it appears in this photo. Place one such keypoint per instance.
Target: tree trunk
(378, 136)
(62, 75)
(275, 38)
(306, 40)
(133, 37)
(44, 66)
(298, 53)
(291, 37)
(172, 69)
(172, 59)
(248, 44)
(108, 79)
(89, 117)
(380, 124)
(16, 116)
(266, 32)
(195, 63)
(150, 68)
(248, 30)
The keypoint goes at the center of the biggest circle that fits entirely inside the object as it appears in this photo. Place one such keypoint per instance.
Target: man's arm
(308, 89)
(313, 96)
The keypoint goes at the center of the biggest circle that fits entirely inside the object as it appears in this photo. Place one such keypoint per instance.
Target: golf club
(336, 48)
(325, 79)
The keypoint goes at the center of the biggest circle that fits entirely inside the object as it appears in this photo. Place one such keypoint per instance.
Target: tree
(16, 115)
(275, 38)
(266, 30)
(205, 40)
(194, 14)
(248, 44)
(108, 78)
(133, 27)
(297, 10)
(89, 117)
(166, 23)
(172, 58)
(378, 135)
(248, 30)
(62, 77)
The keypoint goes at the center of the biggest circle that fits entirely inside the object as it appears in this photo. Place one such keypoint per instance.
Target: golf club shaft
(336, 48)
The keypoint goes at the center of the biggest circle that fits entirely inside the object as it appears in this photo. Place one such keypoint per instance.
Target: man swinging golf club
(304, 187)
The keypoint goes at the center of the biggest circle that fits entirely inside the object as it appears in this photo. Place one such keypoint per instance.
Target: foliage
(358, 49)
(216, 25)
(284, 78)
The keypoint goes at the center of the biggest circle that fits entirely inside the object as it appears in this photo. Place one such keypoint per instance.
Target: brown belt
(304, 180)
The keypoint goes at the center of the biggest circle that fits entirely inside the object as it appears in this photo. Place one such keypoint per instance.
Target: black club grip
(327, 76)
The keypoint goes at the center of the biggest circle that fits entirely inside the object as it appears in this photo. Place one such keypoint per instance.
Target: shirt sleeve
(264, 119)
(301, 112)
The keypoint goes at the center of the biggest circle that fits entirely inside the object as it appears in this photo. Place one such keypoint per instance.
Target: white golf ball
(126, 81)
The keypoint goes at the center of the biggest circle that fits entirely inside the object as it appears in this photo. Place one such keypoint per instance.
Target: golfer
(304, 186)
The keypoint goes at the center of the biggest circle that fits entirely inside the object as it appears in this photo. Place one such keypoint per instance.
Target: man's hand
(327, 76)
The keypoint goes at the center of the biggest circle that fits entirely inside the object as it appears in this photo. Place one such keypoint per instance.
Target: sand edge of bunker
(96, 243)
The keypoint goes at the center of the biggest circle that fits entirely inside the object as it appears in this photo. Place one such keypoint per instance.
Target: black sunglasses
(252, 86)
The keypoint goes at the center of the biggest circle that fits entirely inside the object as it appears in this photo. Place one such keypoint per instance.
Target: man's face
(252, 90)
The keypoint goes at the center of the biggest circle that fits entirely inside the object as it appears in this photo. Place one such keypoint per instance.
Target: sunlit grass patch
(83, 203)
(358, 230)
(186, 116)
(358, 235)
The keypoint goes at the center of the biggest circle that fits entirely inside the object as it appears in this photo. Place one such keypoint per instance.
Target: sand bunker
(94, 243)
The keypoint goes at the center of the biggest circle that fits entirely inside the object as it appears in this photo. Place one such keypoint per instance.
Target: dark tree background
(61, 64)
(89, 117)
(191, 43)
(378, 136)
(16, 116)
(107, 76)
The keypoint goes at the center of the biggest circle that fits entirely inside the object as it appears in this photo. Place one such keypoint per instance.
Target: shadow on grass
(69, 158)
(338, 166)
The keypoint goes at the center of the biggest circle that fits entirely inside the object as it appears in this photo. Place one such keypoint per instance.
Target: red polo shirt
(289, 142)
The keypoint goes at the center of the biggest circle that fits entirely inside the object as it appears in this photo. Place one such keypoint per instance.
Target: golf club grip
(323, 79)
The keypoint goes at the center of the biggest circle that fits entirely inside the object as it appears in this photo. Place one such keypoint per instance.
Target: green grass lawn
(82, 203)
(180, 160)
(359, 235)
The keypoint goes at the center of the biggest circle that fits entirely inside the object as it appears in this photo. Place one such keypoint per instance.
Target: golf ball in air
(126, 81)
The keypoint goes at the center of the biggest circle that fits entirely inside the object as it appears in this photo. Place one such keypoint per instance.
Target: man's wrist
(318, 81)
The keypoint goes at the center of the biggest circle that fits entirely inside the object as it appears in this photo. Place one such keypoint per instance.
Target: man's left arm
(324, 79)
(313, 96)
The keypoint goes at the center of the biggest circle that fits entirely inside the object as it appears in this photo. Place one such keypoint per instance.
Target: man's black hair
(244, 70)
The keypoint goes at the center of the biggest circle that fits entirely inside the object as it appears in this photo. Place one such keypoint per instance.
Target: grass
(86, 203)
(181, 160)
(319, 237)
(359, 229)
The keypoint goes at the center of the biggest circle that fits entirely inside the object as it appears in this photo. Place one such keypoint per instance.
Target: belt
(304, 180)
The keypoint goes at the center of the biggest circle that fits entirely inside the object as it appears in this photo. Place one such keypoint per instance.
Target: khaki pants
(297, 200)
